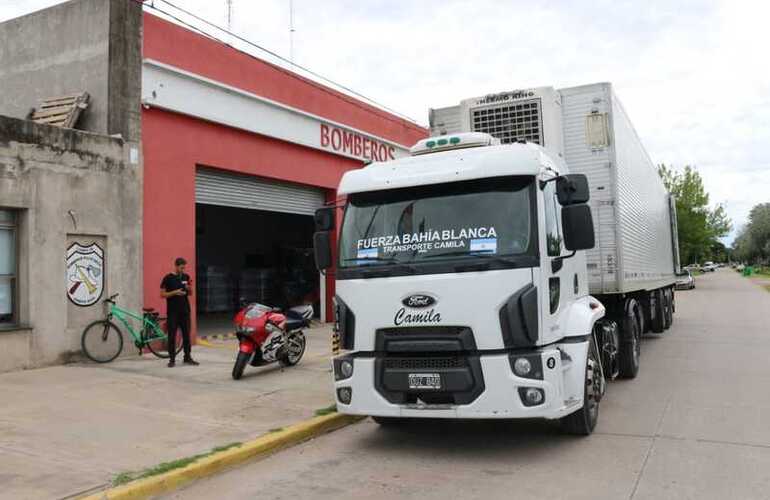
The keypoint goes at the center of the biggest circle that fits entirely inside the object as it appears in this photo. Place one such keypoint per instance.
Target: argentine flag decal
(367, 253)
(484, 245)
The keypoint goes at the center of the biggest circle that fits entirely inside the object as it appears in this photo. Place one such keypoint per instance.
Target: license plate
(425, 381)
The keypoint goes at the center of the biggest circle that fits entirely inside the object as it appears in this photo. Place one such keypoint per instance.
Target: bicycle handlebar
(111, 298)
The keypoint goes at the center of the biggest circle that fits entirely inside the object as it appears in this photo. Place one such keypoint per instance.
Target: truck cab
(461, 286)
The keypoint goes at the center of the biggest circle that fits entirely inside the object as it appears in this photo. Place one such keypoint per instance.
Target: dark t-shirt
(176, 303)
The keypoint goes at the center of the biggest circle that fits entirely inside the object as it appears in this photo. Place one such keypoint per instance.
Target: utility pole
(229, 5)
(291, 30)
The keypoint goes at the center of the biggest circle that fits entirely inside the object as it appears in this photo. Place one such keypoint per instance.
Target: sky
(693, 76)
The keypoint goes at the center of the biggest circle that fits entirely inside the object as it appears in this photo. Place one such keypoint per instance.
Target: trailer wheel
(583, 421)
(670, 309)
(667, 316)
(631, 340)
(658, 319)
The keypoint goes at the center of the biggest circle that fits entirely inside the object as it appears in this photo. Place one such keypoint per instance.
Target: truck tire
(667, 316)
(583, 421)
(630, 340)
(658, 319)
(670, 310)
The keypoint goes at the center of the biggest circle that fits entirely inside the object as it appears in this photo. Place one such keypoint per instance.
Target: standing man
(176, 288)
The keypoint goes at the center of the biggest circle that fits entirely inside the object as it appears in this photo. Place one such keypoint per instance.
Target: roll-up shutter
(213, 187)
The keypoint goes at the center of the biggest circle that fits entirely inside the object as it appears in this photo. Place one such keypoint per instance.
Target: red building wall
(174, 144)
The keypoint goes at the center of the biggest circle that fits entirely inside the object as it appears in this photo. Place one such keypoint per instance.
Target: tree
(753, 241)
(700, 227)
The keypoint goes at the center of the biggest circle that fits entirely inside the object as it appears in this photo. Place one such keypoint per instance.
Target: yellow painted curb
(207, 466)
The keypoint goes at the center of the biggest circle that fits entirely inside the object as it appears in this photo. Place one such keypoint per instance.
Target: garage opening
(253, 241)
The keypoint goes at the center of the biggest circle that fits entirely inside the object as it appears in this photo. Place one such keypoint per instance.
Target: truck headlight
(343, 368)
(527, 365)
(522, 367)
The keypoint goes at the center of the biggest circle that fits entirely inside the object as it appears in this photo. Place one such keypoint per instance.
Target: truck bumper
(500, 395)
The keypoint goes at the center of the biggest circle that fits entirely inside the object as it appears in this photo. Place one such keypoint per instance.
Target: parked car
(708, 266)
(684, 281)
(693, 268)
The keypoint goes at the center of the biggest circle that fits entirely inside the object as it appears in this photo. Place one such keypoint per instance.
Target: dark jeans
(178, 320)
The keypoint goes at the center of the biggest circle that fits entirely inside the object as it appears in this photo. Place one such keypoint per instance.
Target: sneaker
(190, 361)
(171, 363)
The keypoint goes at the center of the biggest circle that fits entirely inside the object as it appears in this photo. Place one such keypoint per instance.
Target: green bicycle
(102, 340)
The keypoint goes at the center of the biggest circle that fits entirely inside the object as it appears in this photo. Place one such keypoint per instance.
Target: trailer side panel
(594, 161)
(644, 215)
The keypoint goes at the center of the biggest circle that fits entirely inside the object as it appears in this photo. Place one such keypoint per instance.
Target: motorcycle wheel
(240, 364)
(295, 349)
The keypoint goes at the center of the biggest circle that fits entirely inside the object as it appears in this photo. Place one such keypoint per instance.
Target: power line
(151, 5)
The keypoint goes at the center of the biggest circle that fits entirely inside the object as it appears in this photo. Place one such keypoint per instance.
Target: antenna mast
(229, 5)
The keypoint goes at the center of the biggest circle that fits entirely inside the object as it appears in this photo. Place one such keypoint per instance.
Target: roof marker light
(457, 141)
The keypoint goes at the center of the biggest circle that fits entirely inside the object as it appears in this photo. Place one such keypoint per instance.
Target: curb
(210, 465)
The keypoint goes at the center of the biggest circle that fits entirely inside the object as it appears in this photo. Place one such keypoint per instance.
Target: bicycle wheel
(159, 346)
(102, 341)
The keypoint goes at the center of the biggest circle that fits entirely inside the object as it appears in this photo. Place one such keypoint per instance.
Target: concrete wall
(68, 186)
(81, 45)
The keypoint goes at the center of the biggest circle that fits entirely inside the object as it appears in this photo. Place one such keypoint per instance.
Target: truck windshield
(468, 220)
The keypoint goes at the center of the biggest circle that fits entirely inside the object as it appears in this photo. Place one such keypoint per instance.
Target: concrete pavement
(694, 424)
(67, 429)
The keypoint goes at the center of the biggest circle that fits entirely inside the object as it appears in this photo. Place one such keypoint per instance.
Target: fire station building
(232, 155)
(238, 155)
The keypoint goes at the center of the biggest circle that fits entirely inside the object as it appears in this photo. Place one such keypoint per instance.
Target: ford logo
(418, 301)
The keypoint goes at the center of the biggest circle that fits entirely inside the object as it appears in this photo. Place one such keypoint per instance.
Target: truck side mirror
(324, 219)
(578, 226)
(572, 189)
(322, 249)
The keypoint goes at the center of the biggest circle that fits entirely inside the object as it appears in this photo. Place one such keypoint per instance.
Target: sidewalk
(67, 429)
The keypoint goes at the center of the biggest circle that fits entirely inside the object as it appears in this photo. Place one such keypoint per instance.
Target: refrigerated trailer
(637, 252)
(485, 277)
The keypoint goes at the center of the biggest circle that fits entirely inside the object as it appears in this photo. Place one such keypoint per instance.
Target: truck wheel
(670, 311)
(658, 319)
(667, 316)
(630, 341)
(583, 421)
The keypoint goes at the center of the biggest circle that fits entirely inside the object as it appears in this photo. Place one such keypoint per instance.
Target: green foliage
(127, 477)
(753, 241)
(700, 226)
(326, 411)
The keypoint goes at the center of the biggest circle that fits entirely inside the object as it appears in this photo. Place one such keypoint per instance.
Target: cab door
(557, 287)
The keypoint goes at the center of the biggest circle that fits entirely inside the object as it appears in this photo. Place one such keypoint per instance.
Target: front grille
(425, 363)
(511, 122)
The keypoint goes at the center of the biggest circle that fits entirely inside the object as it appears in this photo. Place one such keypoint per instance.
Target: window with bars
(510, 122)
(8, 266)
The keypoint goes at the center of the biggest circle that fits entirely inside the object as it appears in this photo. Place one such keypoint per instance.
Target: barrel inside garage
(253, 243)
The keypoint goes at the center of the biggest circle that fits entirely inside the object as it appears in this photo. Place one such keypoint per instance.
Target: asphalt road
(694, 424)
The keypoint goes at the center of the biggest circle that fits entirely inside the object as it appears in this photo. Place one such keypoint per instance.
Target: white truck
(470, 282)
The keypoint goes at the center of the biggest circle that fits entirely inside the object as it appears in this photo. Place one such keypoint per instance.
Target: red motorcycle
(267, 335)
